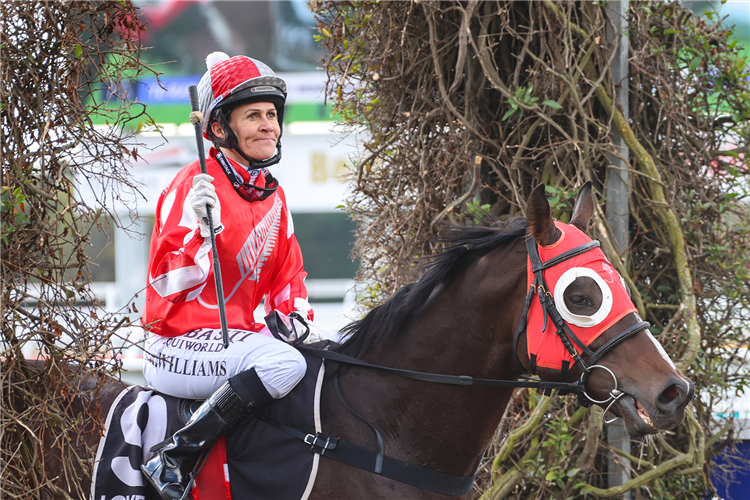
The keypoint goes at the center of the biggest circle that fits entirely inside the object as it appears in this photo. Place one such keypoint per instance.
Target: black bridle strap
(612, 343)
(440, 378)
(545, 296)
(521, 327)
(541, 266)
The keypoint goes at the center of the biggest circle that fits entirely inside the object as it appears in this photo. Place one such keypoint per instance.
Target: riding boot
(170, 470)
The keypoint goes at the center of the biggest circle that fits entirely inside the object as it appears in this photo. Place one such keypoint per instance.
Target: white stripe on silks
(289, 224)
(166, 207)
(195, 293)
(184, 278)
(282, 296)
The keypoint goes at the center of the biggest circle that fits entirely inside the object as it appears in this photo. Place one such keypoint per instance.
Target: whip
(196, 118)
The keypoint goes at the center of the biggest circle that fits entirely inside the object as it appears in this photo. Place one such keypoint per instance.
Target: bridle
(540, 288)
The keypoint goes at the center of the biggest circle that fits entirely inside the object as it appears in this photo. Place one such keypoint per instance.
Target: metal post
(616, 192)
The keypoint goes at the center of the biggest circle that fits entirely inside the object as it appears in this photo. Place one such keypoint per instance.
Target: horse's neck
(463, 331)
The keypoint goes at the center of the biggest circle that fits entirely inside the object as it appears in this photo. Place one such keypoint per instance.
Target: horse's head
(623, 366)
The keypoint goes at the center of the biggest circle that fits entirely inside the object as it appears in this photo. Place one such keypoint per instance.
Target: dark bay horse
(460, 319)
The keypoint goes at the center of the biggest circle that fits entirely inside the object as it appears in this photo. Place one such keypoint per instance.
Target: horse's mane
(464, 243)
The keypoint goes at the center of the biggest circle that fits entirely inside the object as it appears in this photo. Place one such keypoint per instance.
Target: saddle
(266, 462)
(274, 455)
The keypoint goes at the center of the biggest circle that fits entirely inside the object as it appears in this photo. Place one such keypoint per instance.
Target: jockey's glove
(203, 196)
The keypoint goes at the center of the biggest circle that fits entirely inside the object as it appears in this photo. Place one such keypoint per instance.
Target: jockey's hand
(202, 196)
(316, 334)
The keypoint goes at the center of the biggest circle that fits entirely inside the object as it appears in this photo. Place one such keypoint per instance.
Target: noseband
(540, 288)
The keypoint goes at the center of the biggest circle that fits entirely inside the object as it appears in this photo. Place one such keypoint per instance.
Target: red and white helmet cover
(230, 76)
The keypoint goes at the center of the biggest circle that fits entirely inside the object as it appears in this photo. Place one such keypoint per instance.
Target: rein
(541, 290)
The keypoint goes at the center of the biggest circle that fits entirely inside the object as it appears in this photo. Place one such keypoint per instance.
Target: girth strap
(392, 468)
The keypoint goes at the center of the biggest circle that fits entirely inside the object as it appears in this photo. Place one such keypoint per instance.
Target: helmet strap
(242, 187)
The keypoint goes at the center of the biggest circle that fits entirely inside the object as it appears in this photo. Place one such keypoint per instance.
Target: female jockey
(242, 102)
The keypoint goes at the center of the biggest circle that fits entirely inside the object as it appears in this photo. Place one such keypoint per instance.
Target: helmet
(230, 82)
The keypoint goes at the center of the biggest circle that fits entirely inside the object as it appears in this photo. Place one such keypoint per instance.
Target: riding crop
(196, 118)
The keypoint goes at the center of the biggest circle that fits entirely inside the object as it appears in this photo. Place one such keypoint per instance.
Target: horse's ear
(539, 218)
(583, 211)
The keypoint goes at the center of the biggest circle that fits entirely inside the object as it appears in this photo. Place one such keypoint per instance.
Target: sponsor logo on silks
(217, 101)
(124, 497)
(236, 184)
(263, 88)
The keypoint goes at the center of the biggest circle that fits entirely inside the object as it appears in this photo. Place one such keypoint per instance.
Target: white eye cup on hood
(564, 282)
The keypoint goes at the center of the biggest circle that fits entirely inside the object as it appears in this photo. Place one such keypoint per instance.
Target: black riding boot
(170, 471)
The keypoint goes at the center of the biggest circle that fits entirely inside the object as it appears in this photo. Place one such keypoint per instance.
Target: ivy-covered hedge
(469, 105)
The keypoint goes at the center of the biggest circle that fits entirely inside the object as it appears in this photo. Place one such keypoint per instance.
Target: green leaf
(572, 472)
(79, 50)
(552, 104)
(671, 32)
(550, 476)
(695, 63)
(508, 114)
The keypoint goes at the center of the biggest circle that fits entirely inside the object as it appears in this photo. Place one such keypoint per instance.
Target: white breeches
(196, 364)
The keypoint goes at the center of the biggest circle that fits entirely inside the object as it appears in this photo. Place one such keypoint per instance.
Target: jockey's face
(257, 129)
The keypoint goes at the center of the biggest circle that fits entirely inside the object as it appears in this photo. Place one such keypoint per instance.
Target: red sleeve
(180, 258)
(288, 292)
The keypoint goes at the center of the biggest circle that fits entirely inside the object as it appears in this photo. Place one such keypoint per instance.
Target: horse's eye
(580, 300)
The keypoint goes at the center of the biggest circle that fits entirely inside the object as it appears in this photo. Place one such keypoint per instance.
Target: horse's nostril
(669, 396)
(671, 392)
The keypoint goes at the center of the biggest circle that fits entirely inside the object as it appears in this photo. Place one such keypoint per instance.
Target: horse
(460, 318)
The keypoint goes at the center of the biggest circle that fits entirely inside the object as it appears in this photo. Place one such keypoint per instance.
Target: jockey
(242, 101)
